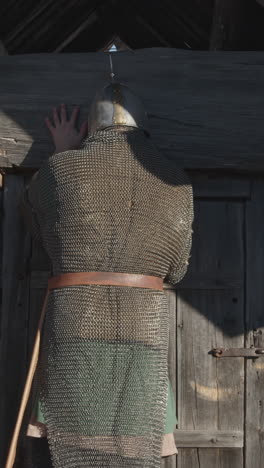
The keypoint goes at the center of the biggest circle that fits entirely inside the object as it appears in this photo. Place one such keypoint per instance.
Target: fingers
(61, 127)
(74, 115)
(57, 121)
(83, 129)
(49, 124)
(63, 113)
(55, 116)
(63, 116)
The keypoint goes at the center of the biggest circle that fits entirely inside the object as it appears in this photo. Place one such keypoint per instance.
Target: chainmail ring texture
(116, 204)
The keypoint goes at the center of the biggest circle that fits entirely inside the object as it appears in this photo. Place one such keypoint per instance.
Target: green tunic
(171, 419)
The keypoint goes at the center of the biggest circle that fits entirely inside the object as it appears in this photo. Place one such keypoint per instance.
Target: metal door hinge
(237, 352)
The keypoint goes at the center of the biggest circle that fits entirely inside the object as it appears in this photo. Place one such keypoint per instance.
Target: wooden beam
(211, 438)
(91, 18)
(205, 109)
(44, 19)
(190, 21)
(153, 31)
(30, 20)
(228, 24)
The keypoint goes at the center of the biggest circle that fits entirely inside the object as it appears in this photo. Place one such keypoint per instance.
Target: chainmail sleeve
(179, 266)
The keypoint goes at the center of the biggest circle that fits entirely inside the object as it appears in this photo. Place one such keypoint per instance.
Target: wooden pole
(27, 388)
(228, 25)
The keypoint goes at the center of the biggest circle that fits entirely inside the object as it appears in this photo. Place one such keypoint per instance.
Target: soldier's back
(116, 204)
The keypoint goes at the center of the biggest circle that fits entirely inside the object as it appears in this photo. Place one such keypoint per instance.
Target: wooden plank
(210, 392)
(44, 24)
(216, 185)
(254, 417)
(209, 458)
(209, 386)
(171, 298)
(217, 247)
(208, 114)
(89, 19)
(228, 25)
(15, 287)
(208, 280)
(171, 461)
(39, 259)
(209, 438)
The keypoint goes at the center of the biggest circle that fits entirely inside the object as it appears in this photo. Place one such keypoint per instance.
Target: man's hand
(64, 134)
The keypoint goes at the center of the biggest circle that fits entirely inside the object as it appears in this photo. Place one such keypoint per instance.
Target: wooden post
(227, 26)
(3, 50)
(15, 297)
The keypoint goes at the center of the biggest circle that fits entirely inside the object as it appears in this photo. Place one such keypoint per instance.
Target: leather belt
(106, 278)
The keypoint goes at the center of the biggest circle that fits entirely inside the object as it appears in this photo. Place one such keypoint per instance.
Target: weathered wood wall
(21, 305)
(14, 323)
(208, 115)
(207, 112)
(220, 303)
(254, 320)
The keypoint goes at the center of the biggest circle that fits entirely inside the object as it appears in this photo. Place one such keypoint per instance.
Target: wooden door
(220, 303)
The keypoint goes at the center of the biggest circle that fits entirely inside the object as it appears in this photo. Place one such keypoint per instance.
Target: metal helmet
(115, 104)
